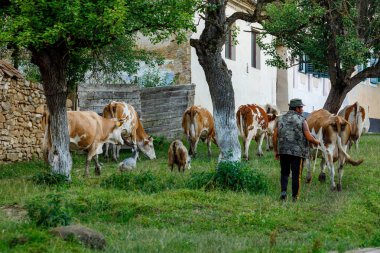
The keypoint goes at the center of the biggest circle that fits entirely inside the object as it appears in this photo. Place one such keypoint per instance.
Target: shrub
(232, 176)
(48, 178)
(50, 212)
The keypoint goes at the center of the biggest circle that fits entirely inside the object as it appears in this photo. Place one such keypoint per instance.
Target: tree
(56, 31)
(336, 35)
(208, 48)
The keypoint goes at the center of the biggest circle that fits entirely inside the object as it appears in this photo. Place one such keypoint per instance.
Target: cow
(88, 131)
(198, 123)
(333, 132)
(252, 121)
(177, 154)
(356, 115)
(133, 130)
(273, 112)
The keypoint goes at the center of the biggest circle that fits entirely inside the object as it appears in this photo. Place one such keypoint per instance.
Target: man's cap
(295, 102)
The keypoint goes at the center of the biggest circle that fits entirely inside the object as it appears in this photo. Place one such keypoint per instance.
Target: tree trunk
(335, 98)
(223, 101)
(52, 63)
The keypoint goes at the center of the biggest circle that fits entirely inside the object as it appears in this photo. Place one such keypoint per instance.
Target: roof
(9, 70)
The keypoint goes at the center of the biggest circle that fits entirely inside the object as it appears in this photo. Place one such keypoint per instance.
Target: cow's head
(115, 135)
(146, 146)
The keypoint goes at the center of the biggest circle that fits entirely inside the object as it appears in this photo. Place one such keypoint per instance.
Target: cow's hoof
(308, 180)
(322, 177)
(259, 154)
(339, 187)
(333, 188)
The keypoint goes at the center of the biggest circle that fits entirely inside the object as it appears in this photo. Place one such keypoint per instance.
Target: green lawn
(185, 220)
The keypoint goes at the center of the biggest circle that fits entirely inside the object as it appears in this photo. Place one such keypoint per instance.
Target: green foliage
(238, 177)
(304, 27)
(99, 37)
(49, 178)
(153, 78)
(49, 212)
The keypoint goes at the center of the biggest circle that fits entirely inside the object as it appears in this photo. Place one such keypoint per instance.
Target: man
(291, 139)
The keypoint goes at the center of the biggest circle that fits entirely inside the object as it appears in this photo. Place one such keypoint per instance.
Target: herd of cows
(120, 124)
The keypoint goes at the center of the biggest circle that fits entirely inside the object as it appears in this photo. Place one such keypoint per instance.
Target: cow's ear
(150, 138)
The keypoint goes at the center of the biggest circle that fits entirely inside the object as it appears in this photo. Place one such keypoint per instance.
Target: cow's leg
(340, 176)
(330, 164)
(106, 153)
(267, 142)
(118, 147)
(341, 161)
(195, 145)
(188, 138)
(208, 146)
(309, 176)
(97, 166)
(322, 175)
(114, 152)
(357, 144)
(259, 145)
(247, 143)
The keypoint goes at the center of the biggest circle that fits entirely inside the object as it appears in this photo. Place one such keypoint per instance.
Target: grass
(174, 218)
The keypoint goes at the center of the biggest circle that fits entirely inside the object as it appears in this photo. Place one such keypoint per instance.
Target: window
(255, 51)
(375, 80)
(230, 49)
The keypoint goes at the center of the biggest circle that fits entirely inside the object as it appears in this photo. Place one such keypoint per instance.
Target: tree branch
(370, 72)
(256, 16)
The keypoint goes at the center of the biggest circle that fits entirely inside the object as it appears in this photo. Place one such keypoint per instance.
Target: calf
(197, 123)
(272, 112)
(334, 133)
(178, 155)
(88, 131)
(252, 121)
(133, 130)
(356, 116)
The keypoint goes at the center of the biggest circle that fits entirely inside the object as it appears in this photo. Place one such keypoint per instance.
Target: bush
(232, 176)
(47, 178)
(50, 212)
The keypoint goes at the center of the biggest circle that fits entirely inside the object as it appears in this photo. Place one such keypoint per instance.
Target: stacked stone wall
(21, 108)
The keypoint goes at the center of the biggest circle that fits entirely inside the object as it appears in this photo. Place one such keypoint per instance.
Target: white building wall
(313, 91)
(251, 85)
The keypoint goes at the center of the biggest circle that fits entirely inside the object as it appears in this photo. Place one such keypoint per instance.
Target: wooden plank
(165, 95)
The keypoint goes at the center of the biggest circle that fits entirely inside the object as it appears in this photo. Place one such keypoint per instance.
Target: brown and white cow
(272, 112)
(356, 115)
(252, 121)
(333, 132)
(198, 123)
(88, 131)
(133, 130)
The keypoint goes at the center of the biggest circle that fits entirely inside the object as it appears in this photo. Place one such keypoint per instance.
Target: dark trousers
(294, 163)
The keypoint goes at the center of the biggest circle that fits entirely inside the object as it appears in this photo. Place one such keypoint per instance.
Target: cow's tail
(347, 156)
(193, 126)
(242, 124)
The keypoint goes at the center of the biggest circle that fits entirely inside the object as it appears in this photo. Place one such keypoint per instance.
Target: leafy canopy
(318, 29)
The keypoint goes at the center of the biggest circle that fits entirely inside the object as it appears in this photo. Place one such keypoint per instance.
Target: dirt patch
(14, 212)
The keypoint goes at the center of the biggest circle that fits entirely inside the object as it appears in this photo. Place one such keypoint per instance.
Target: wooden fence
(160, 108)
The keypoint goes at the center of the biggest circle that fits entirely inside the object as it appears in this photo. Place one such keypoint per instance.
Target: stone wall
(21, 108)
